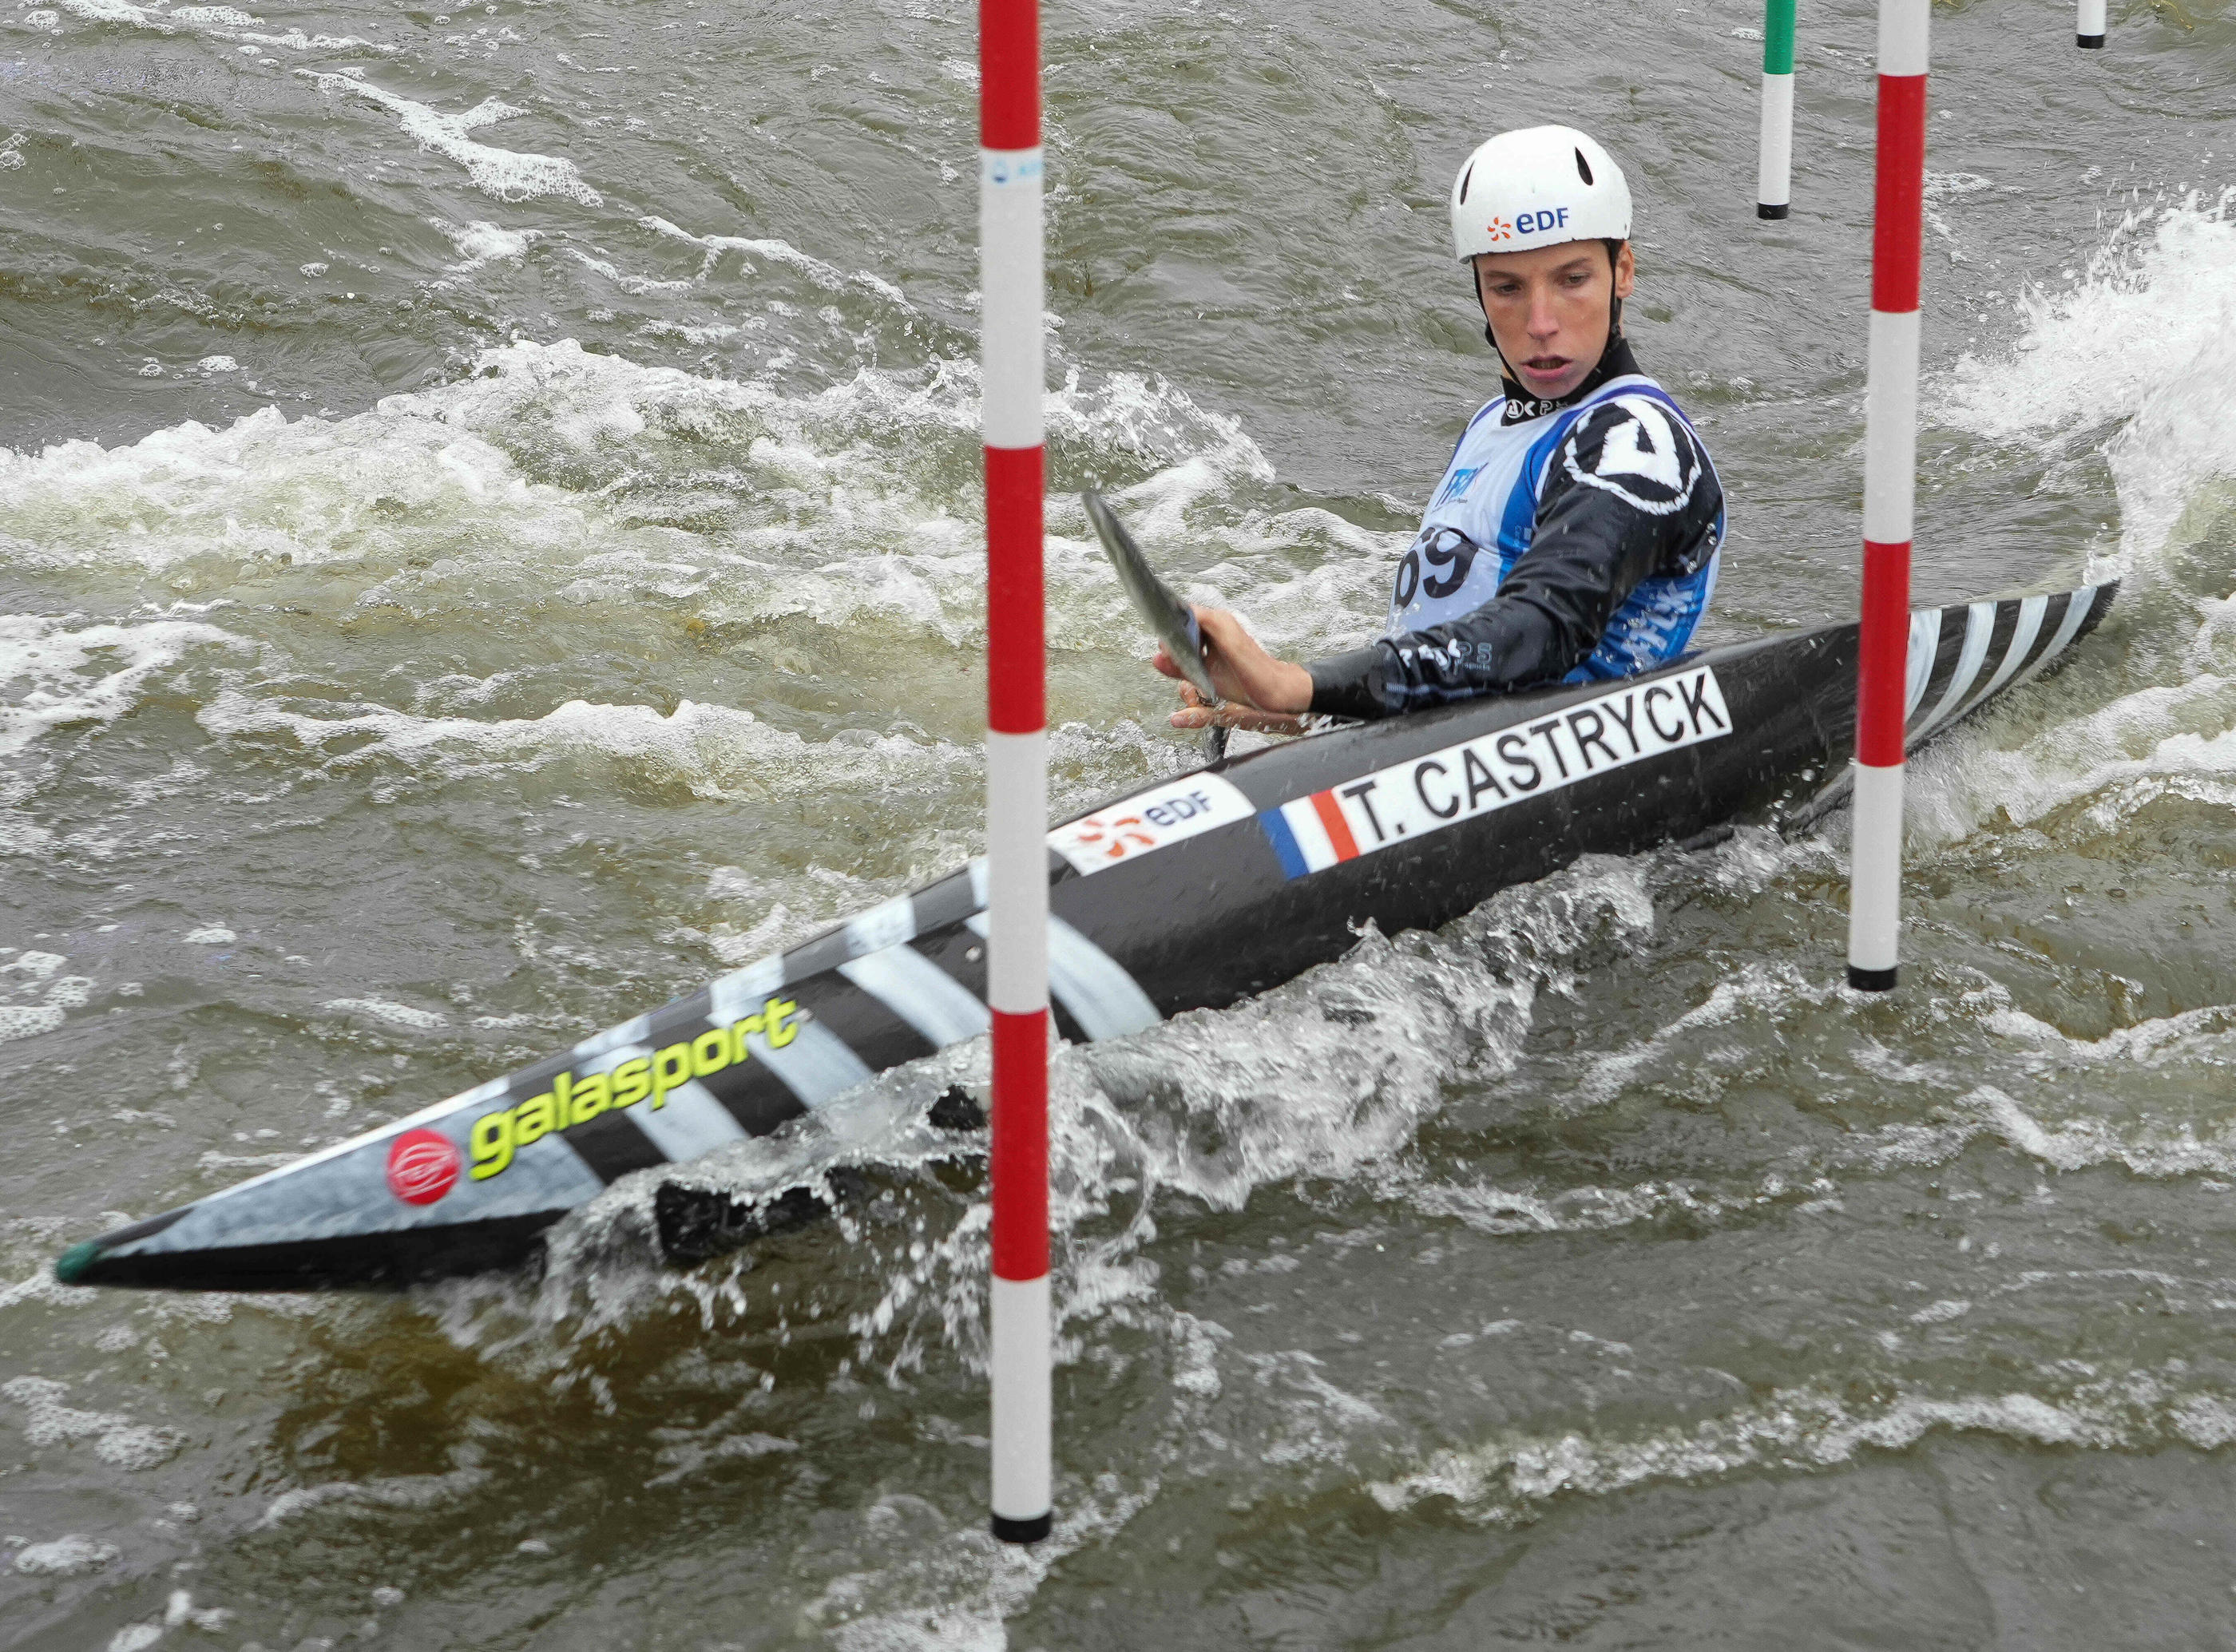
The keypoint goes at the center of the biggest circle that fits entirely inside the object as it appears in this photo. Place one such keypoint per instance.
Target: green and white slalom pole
(2090, 30)
(1011, 286)
(1890, 494)
(1774, 185)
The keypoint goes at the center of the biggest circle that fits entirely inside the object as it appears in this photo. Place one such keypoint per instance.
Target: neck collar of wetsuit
(1614, 361)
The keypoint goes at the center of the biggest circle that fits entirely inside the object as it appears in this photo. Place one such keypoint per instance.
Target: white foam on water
(507, 175)
(714, 751)
(2120, 758)
(812, 503)
(69, 1555)
(53, 676)
(117, 1439)
(2151, 301)
(1754, 989)
(634, 286)
(1491, 1210)
(42, 1288)
(228, 16)
(397, 1015)
(786, 910)
(180, 1612)
(20, 835)
(1510, 1477)
(2204, 1036)
(1941, 1311)
(228, 24)
(296, 39)
(265, 489)
(952, 1590)
(682, 1457)
(2077, 1144)
(2142, 342)
(410, 1492)
(482, 242)
(116, 12)
(776, 251)
(35, 979)
(1989, 1113)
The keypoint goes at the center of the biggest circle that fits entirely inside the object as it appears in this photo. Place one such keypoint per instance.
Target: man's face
(1550, 309)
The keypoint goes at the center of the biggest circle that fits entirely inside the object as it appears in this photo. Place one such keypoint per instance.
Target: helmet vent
(1465, 178)
(1583, 168)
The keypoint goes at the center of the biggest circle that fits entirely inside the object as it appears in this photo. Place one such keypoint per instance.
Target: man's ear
(1625, 272)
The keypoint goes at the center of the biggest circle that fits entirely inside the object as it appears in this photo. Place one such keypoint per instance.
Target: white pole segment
(1890, 429)
(1016, 840)
(1903, 42)
(1875, 868)
(1019, 1355)
(1774, 174)
(2089, 30)
(1011, 277)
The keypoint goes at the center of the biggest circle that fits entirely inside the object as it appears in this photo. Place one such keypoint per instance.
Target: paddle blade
(1170, 621)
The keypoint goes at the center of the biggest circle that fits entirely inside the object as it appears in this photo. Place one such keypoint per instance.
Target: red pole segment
(1890, 494)
(1011, 370)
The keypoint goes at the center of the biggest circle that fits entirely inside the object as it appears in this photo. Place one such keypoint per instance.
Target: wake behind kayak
(1191, 894)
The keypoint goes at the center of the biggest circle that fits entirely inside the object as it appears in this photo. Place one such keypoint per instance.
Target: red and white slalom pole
(1890, 493)
(1010, 285)
(2089, 28)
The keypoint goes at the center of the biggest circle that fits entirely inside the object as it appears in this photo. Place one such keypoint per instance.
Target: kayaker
(1576, 530)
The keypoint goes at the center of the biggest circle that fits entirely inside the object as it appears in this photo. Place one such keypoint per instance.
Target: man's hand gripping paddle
(1170, 621)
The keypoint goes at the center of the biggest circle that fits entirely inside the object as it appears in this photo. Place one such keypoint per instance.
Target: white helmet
(1538, 187)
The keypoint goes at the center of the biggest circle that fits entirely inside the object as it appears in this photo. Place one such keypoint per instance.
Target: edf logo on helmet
(1539, 186)
(1538, 223)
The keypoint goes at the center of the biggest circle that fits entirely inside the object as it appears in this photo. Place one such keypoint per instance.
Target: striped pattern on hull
(1961, 656)
(1196, 918)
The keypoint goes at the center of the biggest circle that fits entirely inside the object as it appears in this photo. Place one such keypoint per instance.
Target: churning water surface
(489, 535)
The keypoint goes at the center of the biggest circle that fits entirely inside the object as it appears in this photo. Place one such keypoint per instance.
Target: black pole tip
(2089, 43)
(1870, 980)
(1030, 1530)
(1764, 210)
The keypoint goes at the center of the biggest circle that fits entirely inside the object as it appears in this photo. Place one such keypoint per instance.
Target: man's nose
(1544, 320)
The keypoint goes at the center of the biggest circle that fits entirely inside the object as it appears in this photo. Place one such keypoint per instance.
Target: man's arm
(1630, 493)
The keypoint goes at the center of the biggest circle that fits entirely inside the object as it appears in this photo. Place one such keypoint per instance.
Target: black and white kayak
(1191, 894)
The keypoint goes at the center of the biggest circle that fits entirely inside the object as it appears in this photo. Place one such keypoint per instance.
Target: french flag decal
(1310, 834)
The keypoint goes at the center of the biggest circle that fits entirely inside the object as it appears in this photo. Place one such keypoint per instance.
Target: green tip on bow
(70, 1266)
